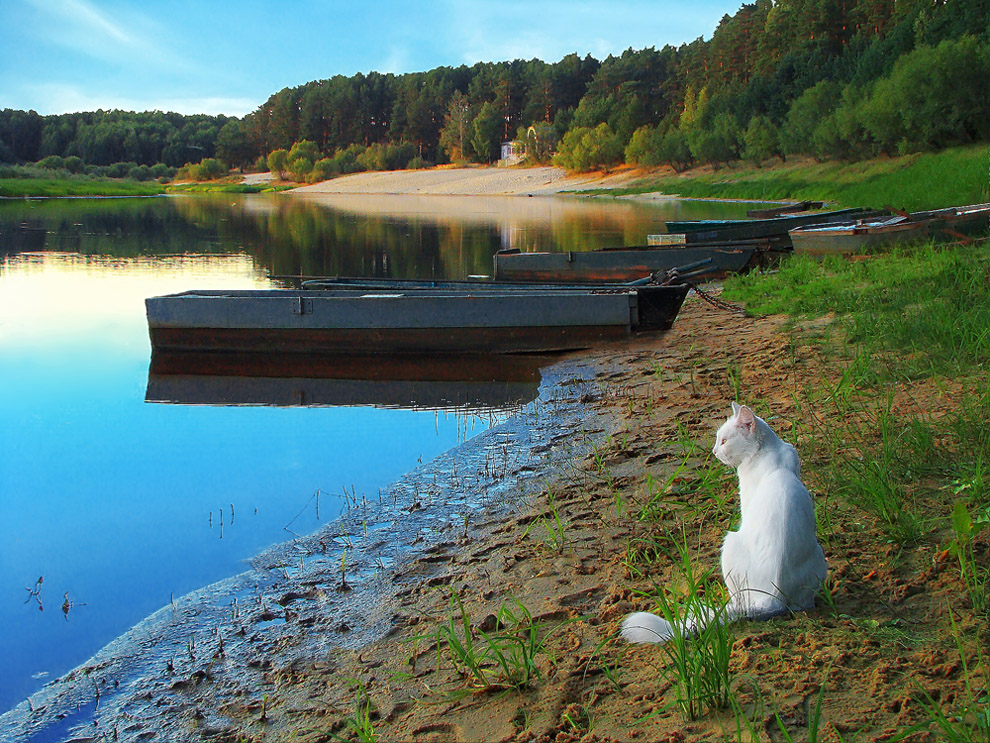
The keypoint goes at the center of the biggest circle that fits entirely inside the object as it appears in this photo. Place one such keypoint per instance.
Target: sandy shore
(540, 181)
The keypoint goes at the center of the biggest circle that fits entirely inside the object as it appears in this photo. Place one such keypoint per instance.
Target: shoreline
(481, 181)
(227, 626)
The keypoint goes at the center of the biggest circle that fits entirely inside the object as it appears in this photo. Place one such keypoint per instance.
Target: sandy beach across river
(480, 181)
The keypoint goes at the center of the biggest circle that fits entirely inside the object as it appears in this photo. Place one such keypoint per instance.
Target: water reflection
(344, 235)
(477, 384)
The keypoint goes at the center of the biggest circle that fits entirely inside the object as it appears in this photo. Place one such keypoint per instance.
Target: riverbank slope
(480, 181)
(950, 177)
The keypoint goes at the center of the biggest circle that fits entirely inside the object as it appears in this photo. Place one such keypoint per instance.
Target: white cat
(773, 564)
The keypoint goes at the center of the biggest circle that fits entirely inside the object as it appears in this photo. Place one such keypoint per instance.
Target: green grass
(505, 656)
(361, 722)
(917, 311)
(912, 315)
(50, 187)
(697, 659)
(226, 188)
(913, 182)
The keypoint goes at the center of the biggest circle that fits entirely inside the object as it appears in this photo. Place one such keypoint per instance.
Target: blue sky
(214, 56)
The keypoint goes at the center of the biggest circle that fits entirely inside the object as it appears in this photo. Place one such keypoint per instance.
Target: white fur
(773, 564)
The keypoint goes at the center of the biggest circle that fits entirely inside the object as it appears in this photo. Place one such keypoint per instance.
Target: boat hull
(849, 239)
(406, 322)
(616, 265)
(752, 229)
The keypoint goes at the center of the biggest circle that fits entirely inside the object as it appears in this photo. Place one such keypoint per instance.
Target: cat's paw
(645, 627)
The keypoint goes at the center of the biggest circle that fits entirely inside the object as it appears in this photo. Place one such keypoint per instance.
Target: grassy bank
(913, 182)
(51, 187)
(227, 188)
(899, 436)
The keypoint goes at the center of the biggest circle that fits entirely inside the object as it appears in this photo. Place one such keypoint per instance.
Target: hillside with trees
(833, 79)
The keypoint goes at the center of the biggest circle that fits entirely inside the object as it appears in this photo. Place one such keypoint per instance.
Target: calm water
(119, 504)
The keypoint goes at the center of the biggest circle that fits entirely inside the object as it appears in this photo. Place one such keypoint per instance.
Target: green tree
(539, 142)
(806, 112)
(585, 148)
(233, 146)
(486, 135)
(675, 150)
(644, 146)
(304, 148)
(278, 161)
(933, 97)
(372, 158)
(455, 138)
(760, 140)
(717, 144)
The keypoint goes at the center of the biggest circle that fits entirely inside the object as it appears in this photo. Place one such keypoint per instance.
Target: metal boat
(623, 264)
(958, 222)
(490, 319)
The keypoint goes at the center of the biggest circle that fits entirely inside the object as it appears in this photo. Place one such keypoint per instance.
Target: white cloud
(81, 26)
(396, 61)
(54, 98)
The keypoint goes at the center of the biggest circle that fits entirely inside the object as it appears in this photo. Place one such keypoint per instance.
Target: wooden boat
(856, 237)
(713, 230)
(495, 319)
(622, 264)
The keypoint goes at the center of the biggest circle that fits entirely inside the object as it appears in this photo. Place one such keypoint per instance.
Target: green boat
(728, 230)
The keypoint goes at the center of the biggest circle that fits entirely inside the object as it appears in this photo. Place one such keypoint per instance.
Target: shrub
(52, 162)
(74, 164)
(760, 141)
(278, 161)
(300, 167)
(304, 148)
(210, 169)
(140, 173)
(584, 149)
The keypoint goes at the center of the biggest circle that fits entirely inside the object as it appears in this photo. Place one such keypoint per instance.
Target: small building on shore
(512, 153)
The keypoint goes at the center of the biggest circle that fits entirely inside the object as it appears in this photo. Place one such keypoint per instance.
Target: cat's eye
(722, 442)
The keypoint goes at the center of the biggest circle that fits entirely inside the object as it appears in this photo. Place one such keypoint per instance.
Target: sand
(480, 181)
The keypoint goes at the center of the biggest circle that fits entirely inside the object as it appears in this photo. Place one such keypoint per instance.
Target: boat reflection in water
(475, 383)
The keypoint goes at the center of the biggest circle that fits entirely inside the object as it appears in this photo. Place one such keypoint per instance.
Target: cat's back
(774, 456)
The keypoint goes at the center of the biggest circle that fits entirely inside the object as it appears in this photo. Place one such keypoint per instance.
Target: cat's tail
(645, 627)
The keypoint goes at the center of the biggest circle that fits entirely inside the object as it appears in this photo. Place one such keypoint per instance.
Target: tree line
(829, 78)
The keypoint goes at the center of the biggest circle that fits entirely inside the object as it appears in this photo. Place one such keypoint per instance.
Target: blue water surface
(120, 505)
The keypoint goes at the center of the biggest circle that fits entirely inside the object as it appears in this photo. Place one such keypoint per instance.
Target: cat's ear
(735, 408)
(746, 418)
